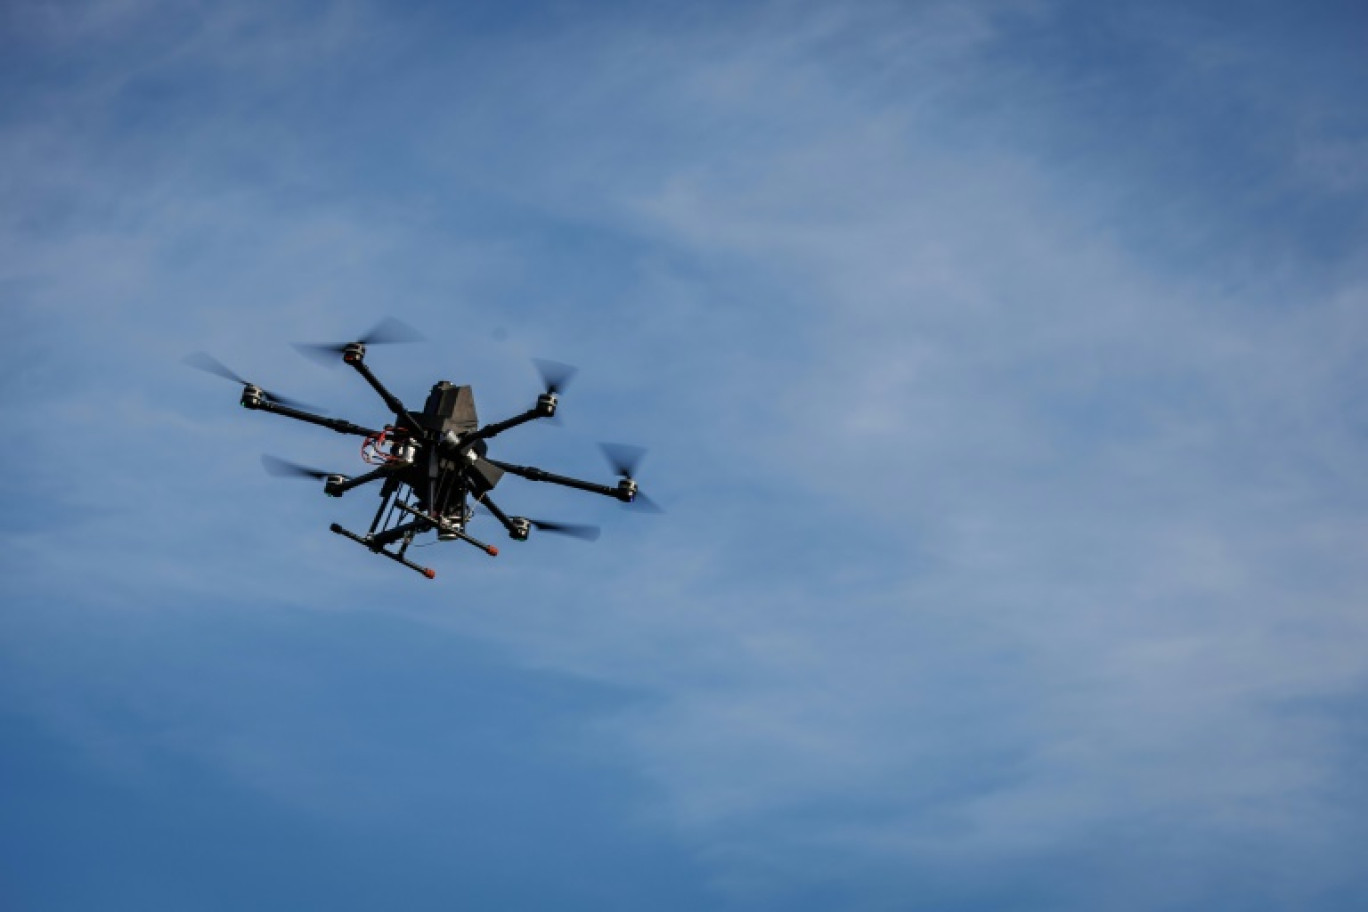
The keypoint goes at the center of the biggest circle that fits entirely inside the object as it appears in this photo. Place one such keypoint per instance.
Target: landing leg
(426, 571)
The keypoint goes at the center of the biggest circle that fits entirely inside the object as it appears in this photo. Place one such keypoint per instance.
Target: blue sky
(1000, 365)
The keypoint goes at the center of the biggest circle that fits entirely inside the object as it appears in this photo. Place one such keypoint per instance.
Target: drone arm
(501, 516)
(336, 424)
(341, 488)
(490, 430)
(545, 408)
(391, 400)
(531, 473)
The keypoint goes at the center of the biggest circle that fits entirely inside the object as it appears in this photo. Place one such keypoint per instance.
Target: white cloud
(1117, 471)
(1025, 534)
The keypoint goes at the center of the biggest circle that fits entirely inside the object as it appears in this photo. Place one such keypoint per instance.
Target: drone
(433, 466)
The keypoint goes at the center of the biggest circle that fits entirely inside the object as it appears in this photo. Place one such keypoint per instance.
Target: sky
(1000, 365)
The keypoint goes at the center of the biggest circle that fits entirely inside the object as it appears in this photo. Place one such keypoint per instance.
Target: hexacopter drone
(433, 465)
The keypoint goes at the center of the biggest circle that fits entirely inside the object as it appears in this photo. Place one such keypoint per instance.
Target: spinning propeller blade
(574, 530)
(554, 374)
(624, 458)
(643, 504)
(283, 468)
(388, 331)
(211, 365)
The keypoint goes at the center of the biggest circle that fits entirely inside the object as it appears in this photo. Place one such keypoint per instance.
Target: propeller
(624, 458)
(574, 530)
(388, 331)
(283, 468)
(209, 364)
(554, 374)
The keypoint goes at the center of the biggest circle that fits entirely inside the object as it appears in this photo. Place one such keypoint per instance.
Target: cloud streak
(1016, 519)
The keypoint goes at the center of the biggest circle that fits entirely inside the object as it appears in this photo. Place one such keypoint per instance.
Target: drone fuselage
(431, 464)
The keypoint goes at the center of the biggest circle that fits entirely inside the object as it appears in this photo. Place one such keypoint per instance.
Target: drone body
(433, 466)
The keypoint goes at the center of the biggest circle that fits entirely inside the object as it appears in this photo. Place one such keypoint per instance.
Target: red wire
(371, 448)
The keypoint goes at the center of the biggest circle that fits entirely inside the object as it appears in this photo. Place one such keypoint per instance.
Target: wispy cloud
(1016, 511)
